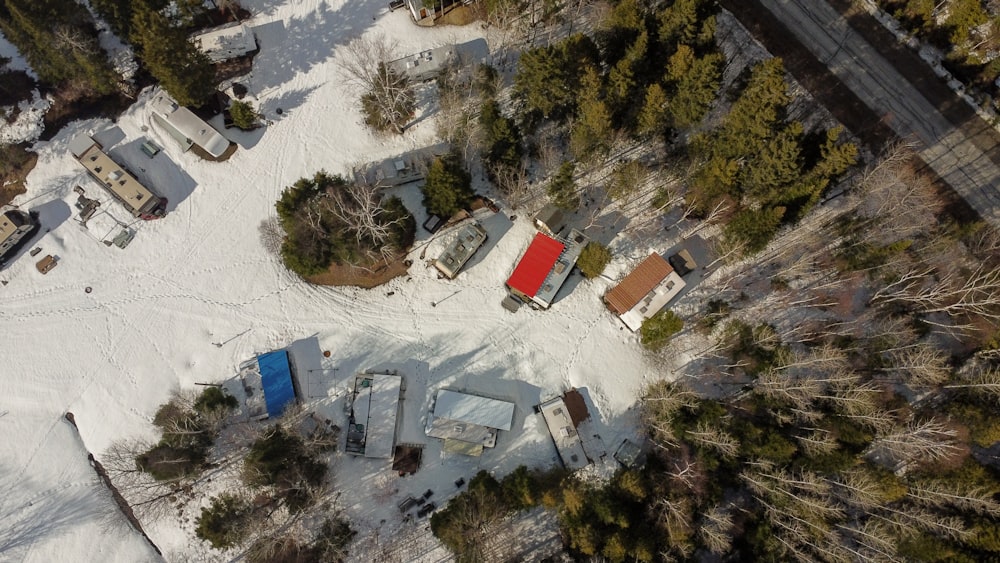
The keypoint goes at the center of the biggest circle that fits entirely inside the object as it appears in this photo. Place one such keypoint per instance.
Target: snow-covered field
(201, 276)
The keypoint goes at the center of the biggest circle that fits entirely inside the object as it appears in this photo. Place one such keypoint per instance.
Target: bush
(244, 116)
(281, 459)
(658, 329)
(224, 523)
(593, 259)
(165, 462)
(448, 188)
(214, 400)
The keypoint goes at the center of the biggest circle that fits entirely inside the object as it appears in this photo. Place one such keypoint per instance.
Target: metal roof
(276, 379)
(376, 406)
(189, 125)
(535, 265)
(469, 239)
(474, 409)
(635, 286)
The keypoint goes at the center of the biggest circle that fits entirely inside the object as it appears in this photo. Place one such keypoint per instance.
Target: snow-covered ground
(200, 276)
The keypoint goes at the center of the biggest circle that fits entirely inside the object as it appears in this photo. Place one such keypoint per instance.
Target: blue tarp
(276, 378)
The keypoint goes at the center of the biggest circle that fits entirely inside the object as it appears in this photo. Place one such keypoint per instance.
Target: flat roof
(115, 178)
(535, 265)
(564, 434)
(425, 64)
(468, 240)
(376, 406)
(189, 125)
(226, 41)
(9, 222)
(562, 268)
(473, 409)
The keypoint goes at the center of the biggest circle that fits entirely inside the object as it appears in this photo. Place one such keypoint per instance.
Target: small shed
(550, 220)
(276, 380)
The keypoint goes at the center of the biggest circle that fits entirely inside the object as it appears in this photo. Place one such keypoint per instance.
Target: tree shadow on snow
(297, 45)
(286, 103)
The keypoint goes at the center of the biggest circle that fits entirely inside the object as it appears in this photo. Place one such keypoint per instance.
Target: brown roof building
(645, 291)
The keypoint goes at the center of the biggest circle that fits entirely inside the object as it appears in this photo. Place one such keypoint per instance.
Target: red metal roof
(535, 265)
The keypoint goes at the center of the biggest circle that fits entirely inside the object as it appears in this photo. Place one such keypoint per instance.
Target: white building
(371, 429)
(226, 42)
(645, 291)
(470, 420)
(185, 126)
(564, 434)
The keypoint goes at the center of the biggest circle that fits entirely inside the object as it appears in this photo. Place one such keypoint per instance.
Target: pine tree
(695, 85)
(448, 188)
(182, 69)
(548, 78)
(501, 136)
(118, 14)
(653, 116)
(562, 188)
(592, 129)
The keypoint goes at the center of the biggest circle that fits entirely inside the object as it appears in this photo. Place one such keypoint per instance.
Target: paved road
(949, 150)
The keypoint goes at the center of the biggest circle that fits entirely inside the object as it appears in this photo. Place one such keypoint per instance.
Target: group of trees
(766, 170)
(328, 220)
(966, 30)
(59, 40)
(284, 471)
(388, 100)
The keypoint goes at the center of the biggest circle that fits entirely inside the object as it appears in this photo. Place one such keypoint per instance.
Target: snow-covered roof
(375, 407)
(188, 125)
(564, 434)
(225, 42)
(482, 411)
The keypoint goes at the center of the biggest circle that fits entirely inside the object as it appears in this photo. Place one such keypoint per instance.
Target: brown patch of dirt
(15, 86)
(12, 180)
(66, 108)
(457, 14)
(352, 275)
(224, 157)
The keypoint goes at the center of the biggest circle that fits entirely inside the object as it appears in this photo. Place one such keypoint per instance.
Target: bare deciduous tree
(927, 440)
(366, 64)
(359, 205)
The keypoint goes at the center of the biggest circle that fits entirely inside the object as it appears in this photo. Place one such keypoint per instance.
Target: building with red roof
(545, 266)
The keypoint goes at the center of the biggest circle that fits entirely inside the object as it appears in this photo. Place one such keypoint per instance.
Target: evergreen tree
(592, 129)
(501, 136)
(243, 114)
(59, 39)
(118, 14)
(653, 116)
(548, 78)
(695, 82)
(562, 188)
(448, 188)
(681, 21)
(182, 69)
(623, 80)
